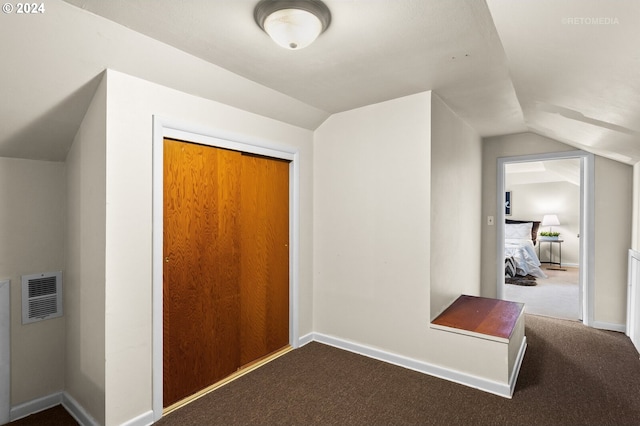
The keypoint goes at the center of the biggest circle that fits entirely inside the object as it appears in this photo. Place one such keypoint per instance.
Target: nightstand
(551, 262)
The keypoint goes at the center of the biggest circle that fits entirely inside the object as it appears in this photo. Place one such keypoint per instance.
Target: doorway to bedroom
(544, 209)
(545, 198)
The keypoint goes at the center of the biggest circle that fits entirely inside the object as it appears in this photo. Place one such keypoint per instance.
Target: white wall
(32, 231)
(613, 199)
(532, 201)
(373, 233)
(131, 105)
(456, 190)
(613, 204)
(371, 222)
(85, 277)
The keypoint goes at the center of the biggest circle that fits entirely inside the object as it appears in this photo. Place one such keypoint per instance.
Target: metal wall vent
(41, 296)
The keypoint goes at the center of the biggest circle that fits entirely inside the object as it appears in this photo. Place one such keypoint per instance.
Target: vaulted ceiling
(566, 69)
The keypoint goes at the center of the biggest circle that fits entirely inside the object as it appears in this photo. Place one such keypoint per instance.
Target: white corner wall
(371, 225)
(373, 239)
(85, 275)
(614, 207)
(132, 103)
(456, 190)
(32, 231)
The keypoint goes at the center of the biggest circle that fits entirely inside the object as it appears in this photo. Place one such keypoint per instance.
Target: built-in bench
(481, 317)
(493, 320)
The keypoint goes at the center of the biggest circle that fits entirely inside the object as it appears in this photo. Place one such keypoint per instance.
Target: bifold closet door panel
(264, 241)
(201, 303)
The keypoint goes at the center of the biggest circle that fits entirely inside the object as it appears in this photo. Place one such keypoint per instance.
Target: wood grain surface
(264, 288)
(225, 277)
(482, 315)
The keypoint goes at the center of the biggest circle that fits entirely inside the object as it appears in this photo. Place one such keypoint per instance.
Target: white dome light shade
(293, 28)
(292, 24)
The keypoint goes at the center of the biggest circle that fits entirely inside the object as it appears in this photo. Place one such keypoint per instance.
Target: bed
(519, 241)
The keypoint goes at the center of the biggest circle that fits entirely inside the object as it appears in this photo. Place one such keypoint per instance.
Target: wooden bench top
(492, 317)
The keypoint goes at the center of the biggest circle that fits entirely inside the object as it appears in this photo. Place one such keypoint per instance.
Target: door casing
(167, 128)
(587, 223)
(5, 351)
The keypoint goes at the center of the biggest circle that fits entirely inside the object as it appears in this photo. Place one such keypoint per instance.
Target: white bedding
(525, 256)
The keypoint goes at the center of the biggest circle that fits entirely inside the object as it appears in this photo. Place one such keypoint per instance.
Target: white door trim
(163, 127)
(633, 298)
(5, 351)
(587, 223)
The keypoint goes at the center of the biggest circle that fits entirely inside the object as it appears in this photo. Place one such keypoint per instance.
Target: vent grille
(42, 286)
(41, 296)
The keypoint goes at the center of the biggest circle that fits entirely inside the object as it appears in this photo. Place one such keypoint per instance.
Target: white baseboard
(501, 389)
(85, 419)
(144, 419)
(622, 328)
(77, 411)
(572, 265)
(59, 398)
(307, 338)
(35, 406)
(516, 367)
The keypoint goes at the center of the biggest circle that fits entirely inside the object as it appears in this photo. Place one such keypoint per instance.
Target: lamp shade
(293, 28)
(550, 220)
(292, 24)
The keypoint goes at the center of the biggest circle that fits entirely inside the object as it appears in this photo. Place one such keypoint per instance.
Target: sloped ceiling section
(52, 64)
(575, 66)
(568, 70)
(373, 51)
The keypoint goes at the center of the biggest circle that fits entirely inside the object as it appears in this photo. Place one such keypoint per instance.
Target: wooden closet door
(202, 266)
(226, 270)
(264, 239)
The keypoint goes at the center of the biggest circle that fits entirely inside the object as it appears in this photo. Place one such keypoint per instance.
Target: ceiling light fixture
(292, 24)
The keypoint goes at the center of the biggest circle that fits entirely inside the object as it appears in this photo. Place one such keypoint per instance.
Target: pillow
(519, 231)
(534, 230)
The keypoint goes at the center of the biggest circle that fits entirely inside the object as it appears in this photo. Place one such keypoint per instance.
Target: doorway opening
(547, 186)
(548, 194)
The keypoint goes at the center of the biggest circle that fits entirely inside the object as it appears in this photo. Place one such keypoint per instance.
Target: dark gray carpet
(571, 375)
(56, 416)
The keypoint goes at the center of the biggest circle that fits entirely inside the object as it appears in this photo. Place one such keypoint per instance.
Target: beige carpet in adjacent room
(555, 296)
